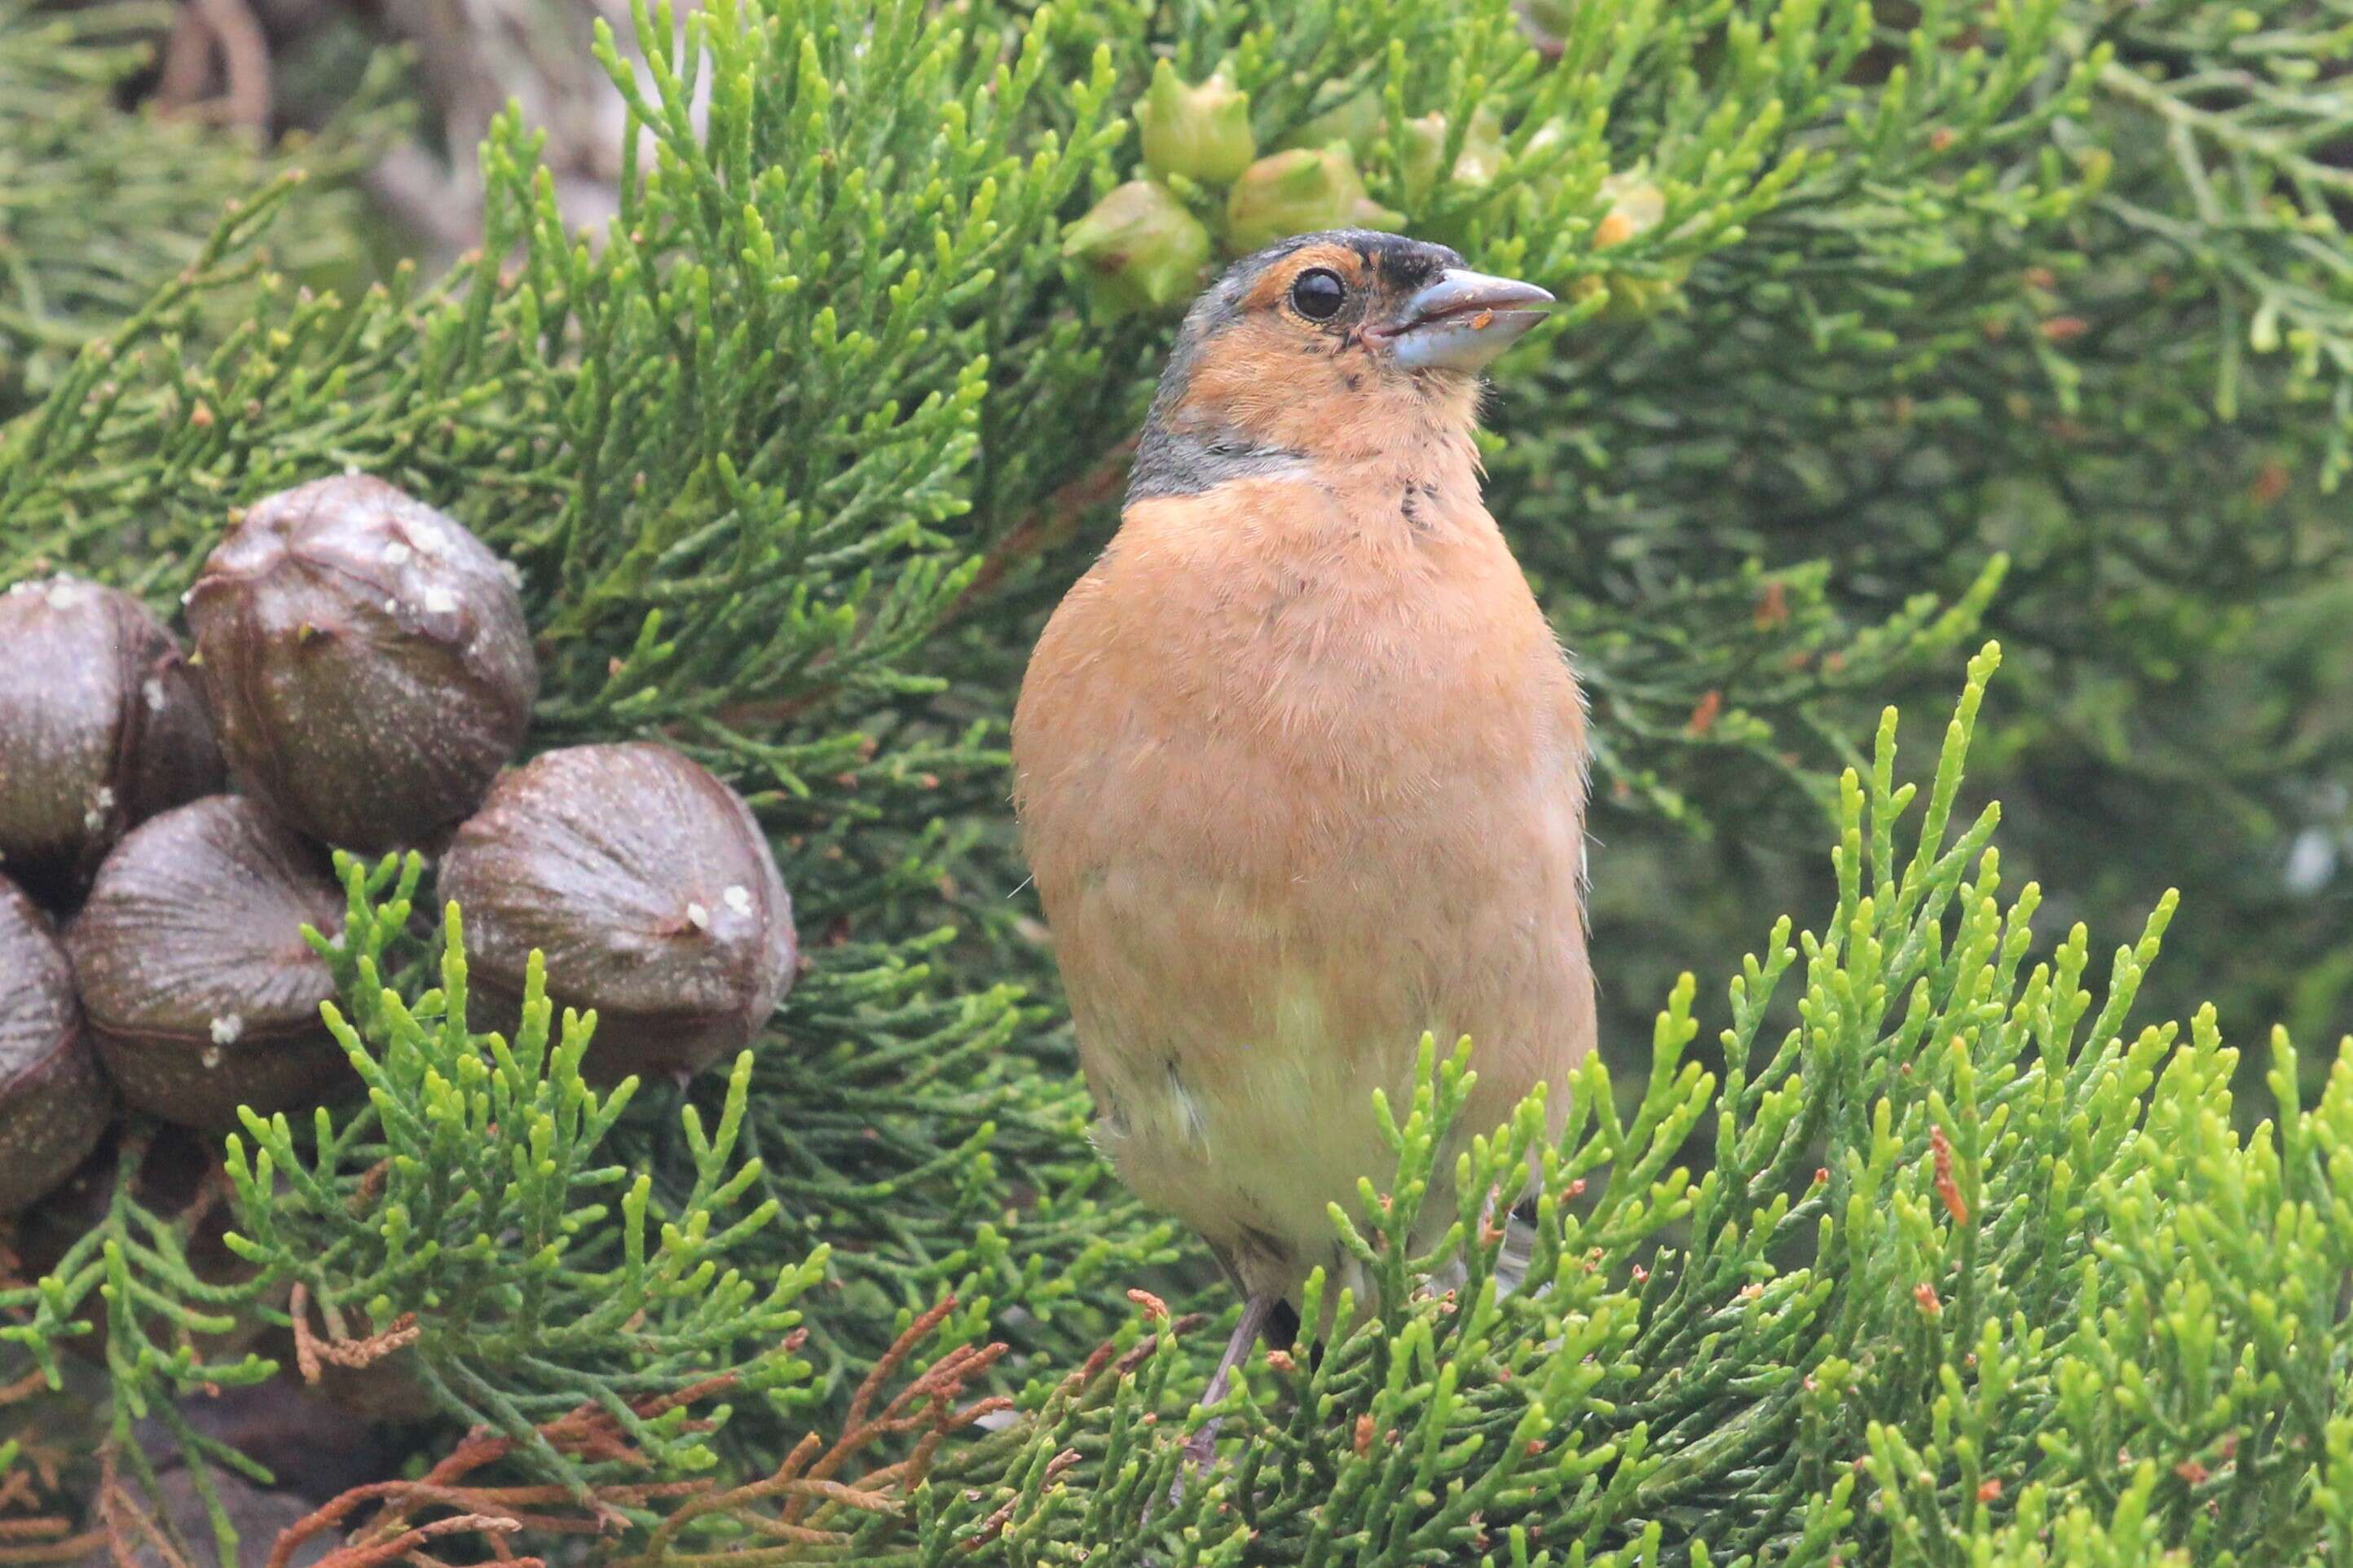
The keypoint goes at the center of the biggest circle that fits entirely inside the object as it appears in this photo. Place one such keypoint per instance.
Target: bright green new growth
(472, 1200)
(791, 458)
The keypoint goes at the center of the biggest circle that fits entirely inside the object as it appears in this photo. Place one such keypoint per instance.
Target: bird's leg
(1202, 1446)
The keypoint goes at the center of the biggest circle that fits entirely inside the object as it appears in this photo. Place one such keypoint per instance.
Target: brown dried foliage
(804, 1503)
(1941, 1149)
(397, 1532)
(27, 1533)
(339, 1347)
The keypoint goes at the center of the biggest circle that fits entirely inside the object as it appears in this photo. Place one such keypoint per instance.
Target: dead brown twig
(32, 1536)
(994, 1525)
(64, 1549)
(590, 1434)
(229, 29)
(122, 1522)
(310, 1351)
(808, 1496)
(801, 1503)
(1089, 1380)
(40, 1471)
(495, 1527)
(1106, 1356)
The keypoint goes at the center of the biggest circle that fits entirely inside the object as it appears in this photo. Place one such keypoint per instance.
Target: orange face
(1338, 345)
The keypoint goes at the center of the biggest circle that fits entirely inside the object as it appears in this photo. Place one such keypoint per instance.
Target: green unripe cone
(1296, 193)
(1552, 134)
(1140, 248)
(1356, 122)
(1420, 143)
(1481, 158)
(1201, 132)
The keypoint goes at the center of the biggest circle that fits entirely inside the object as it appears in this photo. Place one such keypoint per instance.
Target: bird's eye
(1318, 294)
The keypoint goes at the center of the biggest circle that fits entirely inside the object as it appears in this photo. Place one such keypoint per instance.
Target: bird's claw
(1200, 1450)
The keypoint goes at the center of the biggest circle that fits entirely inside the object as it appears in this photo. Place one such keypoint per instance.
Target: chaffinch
(1300, 765)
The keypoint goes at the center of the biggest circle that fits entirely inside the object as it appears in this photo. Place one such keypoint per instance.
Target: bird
(1300, 765)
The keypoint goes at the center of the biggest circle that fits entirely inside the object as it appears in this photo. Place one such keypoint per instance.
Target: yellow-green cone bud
(1201, 132)
(1297, 192)
(1140, 248)
(1356, 122)
(1552, 134)
(1423, 142)
(1420, 143)
(1481, 158)
(1636, 206)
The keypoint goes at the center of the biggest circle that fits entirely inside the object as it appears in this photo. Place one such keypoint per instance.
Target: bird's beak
(1463, 320)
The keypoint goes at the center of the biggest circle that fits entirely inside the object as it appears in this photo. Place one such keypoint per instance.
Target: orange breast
(1300, 773)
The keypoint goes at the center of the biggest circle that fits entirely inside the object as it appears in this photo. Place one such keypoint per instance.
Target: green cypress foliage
(99, 208)
(1926, 1258)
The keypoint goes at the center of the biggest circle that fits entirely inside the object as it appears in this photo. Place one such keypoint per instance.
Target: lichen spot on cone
(54, 1103)
(201, 993)
(367, 661)
(100, 727)
(649, 889)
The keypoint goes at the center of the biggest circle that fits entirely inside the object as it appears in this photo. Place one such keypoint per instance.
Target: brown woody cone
(366, 662)
(648, 887)
(200, 992)
(54, 1105)
(100, 727)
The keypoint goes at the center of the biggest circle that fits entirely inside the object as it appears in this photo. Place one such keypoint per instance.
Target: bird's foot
(1200, 1453)
(1201, 1448)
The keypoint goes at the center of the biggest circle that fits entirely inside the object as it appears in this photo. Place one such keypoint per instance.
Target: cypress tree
(1885, 329)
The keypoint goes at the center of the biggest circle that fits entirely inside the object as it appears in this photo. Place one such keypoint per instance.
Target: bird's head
(1345, 344)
